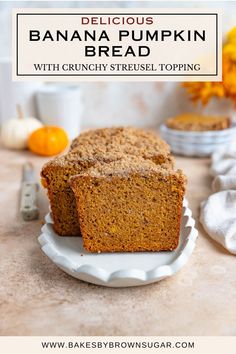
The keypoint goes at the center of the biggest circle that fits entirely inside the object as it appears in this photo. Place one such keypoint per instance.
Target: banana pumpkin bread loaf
(129, 205)
(96, 146)
(198, 122)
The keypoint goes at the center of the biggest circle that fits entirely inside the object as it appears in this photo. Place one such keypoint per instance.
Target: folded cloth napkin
(218, 212)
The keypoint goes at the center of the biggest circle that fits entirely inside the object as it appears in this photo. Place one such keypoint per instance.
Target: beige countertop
(37, 298)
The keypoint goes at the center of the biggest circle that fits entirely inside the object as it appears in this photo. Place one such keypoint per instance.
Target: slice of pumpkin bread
(129, 205)
(55, 175)
(101, 145)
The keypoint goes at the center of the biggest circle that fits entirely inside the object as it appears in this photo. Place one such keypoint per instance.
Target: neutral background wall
(141, 104)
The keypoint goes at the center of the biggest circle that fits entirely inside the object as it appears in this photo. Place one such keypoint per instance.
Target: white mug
(61, 105)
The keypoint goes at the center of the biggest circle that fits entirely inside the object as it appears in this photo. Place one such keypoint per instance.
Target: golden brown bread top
(120, 136)
(198, 122)
(129, 165)
(111, 144)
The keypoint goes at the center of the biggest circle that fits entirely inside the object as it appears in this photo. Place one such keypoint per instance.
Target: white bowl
(200, 144)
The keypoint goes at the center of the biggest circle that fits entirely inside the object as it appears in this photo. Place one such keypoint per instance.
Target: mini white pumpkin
(15, 132)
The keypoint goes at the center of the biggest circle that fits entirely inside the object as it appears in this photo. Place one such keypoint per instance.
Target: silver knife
(29, 189)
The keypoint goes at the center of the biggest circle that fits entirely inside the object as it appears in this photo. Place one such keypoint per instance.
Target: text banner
(117, 44)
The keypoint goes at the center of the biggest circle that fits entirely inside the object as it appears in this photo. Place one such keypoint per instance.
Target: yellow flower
(231, 36)
(204, 91)
(230, 50)
(230, 83)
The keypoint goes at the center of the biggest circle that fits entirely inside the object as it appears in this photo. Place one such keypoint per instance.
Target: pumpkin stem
(19, 111)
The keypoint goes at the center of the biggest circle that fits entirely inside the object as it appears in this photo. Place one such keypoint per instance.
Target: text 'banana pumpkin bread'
(129, 205)
(92, 147)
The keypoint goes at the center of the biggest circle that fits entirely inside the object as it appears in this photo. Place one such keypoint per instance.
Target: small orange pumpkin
(48, 141)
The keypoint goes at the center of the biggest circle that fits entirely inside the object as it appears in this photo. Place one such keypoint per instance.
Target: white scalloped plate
(118, 269)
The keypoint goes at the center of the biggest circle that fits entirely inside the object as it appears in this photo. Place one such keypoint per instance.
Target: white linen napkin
(218, 212)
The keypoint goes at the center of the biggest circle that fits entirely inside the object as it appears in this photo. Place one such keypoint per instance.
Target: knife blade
(29, 189)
